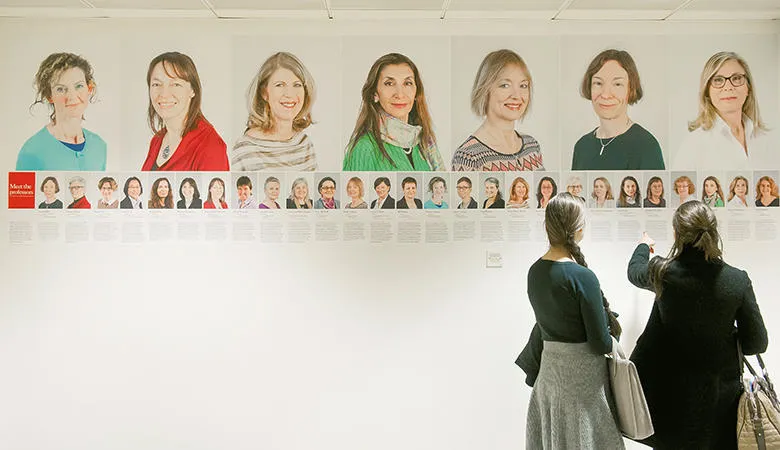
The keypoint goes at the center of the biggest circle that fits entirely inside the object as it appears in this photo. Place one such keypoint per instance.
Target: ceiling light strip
(564, 6)
(682, 6)
(444, 7)
(328, 10)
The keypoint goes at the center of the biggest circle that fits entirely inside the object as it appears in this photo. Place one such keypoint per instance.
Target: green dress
(365, 156)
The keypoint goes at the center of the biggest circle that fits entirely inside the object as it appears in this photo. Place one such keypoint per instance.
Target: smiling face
(381, 190)
(244, 192)
(410, 191)
(574, 189)
(490, 190)
(521, 192)
(729, 99)
(438, 189)
(134, 189)
(187, 190)
(682, 188)
(217, 190)
(740, 188)
(106, 191)
(629, 188)
(546, 189)
(163, 189)
(272, 190)
(710, 188)
(76, 190)
(765, 188)
(609, 91)
(464, 190)
(353, 191)
(600, 189)
(284, 93)
(170, 96)
(657, 189)
(70, 94)
(49, 189)
(327, 190)
(301, 191)
(508, 97)
(396, 90)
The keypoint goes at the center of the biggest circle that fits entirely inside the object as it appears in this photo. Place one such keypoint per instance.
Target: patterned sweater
(253, 154)
(474, 155)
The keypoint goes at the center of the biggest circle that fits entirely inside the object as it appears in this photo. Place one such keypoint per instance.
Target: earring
(376, 98)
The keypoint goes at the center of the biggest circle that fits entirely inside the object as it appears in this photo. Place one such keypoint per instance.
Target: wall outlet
(493, 259)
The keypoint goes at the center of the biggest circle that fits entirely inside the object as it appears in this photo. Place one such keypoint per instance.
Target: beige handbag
(758, 414)
(633, 414)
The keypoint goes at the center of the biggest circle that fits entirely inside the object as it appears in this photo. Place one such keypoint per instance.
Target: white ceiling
(351, 9)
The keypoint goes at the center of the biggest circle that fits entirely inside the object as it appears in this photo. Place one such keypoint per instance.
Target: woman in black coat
(687, 355)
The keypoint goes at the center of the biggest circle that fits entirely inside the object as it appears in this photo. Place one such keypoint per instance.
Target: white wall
(320, 346)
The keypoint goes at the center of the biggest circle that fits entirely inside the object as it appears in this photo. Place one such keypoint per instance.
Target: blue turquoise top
(44, 152)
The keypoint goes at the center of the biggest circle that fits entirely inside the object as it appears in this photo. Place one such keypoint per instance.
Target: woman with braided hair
(687, 356)
(571, 402)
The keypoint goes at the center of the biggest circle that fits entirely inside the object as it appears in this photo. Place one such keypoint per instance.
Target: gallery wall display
(444, 103)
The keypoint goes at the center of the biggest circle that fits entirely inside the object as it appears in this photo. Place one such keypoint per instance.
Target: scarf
(404, 135)
(329, 204)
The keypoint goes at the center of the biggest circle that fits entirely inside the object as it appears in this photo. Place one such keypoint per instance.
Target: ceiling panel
(634, 5)
(402, 5)
(148, 4)
(738, 5)
(284, 5)
(505, 5)
(42, 3)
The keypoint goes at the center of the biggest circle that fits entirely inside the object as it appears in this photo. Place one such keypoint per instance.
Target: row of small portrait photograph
(403, 190)
(400, 120)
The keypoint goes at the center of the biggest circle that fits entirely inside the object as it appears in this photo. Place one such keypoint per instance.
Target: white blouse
(718, 149)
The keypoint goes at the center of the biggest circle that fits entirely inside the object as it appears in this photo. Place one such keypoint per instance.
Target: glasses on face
(328, 188)
(463, 188)
(575, 186)
(736, 79)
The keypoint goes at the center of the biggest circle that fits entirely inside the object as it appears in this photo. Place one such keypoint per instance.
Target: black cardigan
(687, 355)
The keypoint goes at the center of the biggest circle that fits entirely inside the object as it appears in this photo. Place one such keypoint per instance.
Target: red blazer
(208, 204)
(200, 150)
(81, 203)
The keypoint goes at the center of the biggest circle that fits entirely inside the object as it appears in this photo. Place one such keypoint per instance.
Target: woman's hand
(646, 239)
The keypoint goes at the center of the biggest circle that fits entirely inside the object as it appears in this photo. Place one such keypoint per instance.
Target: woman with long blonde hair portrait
(738, 192)
(280, 100)
(394, 130)
(728, 132)
(502, 94)
(601, 195)
(766, 192)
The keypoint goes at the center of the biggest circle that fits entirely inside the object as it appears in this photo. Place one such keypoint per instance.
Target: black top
(197, 203)
(291, 205)
(56, 204)
(775, 202)
(636, 149)
(566, 298)
(687, 357)
(648, 204)
(472, 204)
(498, 204)
(388, 204)
(401, 204)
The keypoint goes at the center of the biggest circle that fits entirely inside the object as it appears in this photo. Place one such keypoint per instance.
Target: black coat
(401, 204)
(197, 203)
(126, 203)
(687, 355)
(388, 204)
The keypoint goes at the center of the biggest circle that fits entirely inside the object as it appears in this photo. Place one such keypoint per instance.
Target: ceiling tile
(149, 4)
(505, 5)
(268, 5)
(42, 4)
(397, 5)
(726, 5)
(633, 5)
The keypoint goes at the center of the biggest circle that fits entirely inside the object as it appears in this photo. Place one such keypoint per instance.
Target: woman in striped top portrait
(280, 102)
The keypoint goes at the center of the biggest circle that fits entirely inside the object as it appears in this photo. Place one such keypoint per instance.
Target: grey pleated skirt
(571, 404)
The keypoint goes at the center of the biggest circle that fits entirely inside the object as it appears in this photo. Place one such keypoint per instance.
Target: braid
(576, 253)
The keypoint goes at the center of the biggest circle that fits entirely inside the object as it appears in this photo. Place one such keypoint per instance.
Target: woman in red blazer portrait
(183, 139)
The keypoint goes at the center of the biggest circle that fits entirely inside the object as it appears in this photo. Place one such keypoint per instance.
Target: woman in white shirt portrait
(738, 191)
(728, 131)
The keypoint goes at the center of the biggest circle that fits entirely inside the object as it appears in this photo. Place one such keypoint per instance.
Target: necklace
(166, 153)
(408, 151)
(603, 145)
